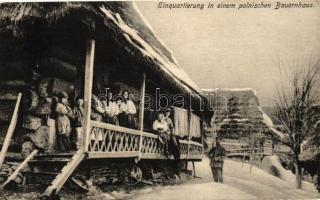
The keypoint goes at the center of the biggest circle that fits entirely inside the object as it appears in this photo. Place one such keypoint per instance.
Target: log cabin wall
(48, 59)
(40, 63)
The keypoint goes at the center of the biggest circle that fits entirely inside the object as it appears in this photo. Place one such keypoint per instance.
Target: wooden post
(194, 170)
(203, 132)
(88, 93)
(20, 167)
(141, 114)
(76, 159)
(10, 131)
(142, 92)
(189, 131)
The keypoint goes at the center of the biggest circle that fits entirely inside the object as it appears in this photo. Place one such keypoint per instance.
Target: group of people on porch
(121, 111)
(107, 109)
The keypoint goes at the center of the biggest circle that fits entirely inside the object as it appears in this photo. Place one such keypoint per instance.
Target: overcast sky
(222, 48)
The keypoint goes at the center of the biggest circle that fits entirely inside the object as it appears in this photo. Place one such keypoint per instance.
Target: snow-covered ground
(239, 184)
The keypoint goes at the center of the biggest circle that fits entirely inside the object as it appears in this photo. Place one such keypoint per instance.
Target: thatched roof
(123, 17)
(245, 114)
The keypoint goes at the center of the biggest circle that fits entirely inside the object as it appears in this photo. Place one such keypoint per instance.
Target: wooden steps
(52, 171)
(64, 175)
(51, 161)
(55, 155)
(43, 178)
(44, 168)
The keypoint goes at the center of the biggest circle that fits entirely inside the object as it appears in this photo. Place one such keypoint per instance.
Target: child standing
(78, 120)
(63, 112)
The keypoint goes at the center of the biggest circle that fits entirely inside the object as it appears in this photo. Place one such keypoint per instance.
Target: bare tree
(294, 109)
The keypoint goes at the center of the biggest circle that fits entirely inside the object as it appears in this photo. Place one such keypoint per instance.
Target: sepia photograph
(159, 100)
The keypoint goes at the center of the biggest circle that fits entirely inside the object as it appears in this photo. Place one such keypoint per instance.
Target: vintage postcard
(157, 100)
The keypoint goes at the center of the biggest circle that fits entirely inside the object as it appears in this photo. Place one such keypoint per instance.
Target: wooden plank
(66, 172)
(149, 156)
(144, 156)
(13, 84)
(121, 129)
(234, 144)
(131, 154)
(88, 93)
(121, 154)
(8, 97)
(141, 115)
(19, 168)
(154, 156)
(10, 131)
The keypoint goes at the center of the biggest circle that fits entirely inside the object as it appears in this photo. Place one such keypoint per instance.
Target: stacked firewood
(38, 118)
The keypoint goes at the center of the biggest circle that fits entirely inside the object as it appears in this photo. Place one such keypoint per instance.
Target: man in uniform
(216, 155)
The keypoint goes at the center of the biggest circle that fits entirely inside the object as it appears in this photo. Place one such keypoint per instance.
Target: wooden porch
(121, 142)
(101, 140)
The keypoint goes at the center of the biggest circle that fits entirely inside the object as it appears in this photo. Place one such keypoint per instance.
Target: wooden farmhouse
(239, 120)
(81, 49)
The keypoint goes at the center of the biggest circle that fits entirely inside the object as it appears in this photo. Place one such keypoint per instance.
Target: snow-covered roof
(140, 34)
(229, 90)
(235, 91)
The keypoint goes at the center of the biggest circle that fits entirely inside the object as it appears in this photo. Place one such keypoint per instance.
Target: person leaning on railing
(160, 127)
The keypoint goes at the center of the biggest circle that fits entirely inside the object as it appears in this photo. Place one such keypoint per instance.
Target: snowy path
(239, 184)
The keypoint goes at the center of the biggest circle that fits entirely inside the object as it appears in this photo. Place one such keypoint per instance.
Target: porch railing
(111, 141)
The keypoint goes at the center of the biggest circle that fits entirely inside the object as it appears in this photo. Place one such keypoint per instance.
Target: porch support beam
(189, 122)
(141, 114)
(88, 82)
